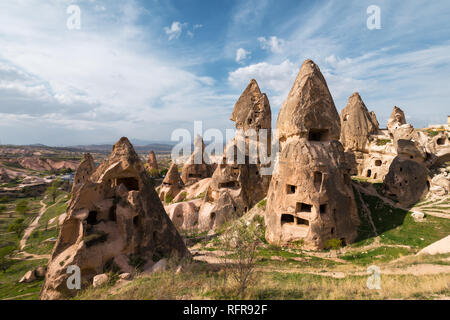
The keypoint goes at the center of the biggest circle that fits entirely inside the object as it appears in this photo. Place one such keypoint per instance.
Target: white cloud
(113, 82)
(273, 44)
(241, 55)
(175, 30)
(275, 79)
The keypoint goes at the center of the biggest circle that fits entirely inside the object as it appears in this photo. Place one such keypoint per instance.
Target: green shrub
(18, 227)
(262, 204)
(22, 207)
(383, 142)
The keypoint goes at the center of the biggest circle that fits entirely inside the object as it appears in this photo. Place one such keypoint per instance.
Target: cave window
(428, 185)
(401, 169)
(378, 163)
(92, 218)
(301, 221)
(411, 157)
(343, 242)
(369, 173)
(332, 231)
(303, 207)
(136, 221)
(375, 176)
(291, 189)
(317, 180)
(249, 121)
(440, 141)
(287, 218)
(130, 183)
(112, 213)
(323, 208)
(229, 185)
(318, 135)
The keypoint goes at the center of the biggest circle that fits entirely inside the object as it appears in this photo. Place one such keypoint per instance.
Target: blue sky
(144, 68)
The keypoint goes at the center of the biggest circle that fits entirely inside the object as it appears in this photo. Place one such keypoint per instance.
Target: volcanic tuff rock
(198, 166)
(114, 219)
(252, 110)
(237, 186)
(172, 184)
(309, 109)
(356, 124)
(407, 181)
(151, 161)
(84, 171)
(310, 195)
(396, 120)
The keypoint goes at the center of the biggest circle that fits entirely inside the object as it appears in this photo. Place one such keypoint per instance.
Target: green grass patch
(9, 281)
(381, 254)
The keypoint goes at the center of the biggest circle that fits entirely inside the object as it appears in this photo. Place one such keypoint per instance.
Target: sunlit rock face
(310, 196)
(114, 218)
(237, 186)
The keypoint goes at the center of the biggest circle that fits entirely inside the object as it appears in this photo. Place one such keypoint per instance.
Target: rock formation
(396, 120)
(309, 110)
(310, 195)
(357, 125)
(84, 171)
(152, 164)
(407, 181)
(172, 184)
(113, 220)
(198, 166)
(236, 185)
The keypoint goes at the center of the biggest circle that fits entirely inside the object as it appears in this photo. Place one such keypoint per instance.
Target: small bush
(383, 142)
(262, 204)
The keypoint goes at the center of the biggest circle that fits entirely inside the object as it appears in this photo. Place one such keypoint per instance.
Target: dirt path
(34, 224)
(30, 256)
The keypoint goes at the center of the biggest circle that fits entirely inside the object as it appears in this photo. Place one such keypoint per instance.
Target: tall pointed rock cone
(252, 110)
(310, 196)
(113, 220)
(172, 184)
(152, 163)
(237, 186)
(84, 171)
(356, 124)
(396, 120)
(198, 166)
(309, 109)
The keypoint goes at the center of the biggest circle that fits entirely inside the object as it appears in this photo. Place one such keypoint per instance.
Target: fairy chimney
(396, 120)
(310, 196)
(152, 163)
(356, 124)
(238, 183)
(198, 166)
(84, 171)
(114, 219)
(172, 184)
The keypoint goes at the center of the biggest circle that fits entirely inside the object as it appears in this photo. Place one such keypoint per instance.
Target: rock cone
(113, 220)
(310, 195)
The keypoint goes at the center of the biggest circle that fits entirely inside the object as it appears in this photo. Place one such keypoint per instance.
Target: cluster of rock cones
(116, 217)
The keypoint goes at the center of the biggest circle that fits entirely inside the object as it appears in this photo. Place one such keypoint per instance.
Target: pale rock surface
(100, 280)
(237, 185)
(310, 195)
(171, 185)
(115, 213)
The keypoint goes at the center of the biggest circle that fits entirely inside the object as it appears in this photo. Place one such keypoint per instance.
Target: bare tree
(240, 243)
